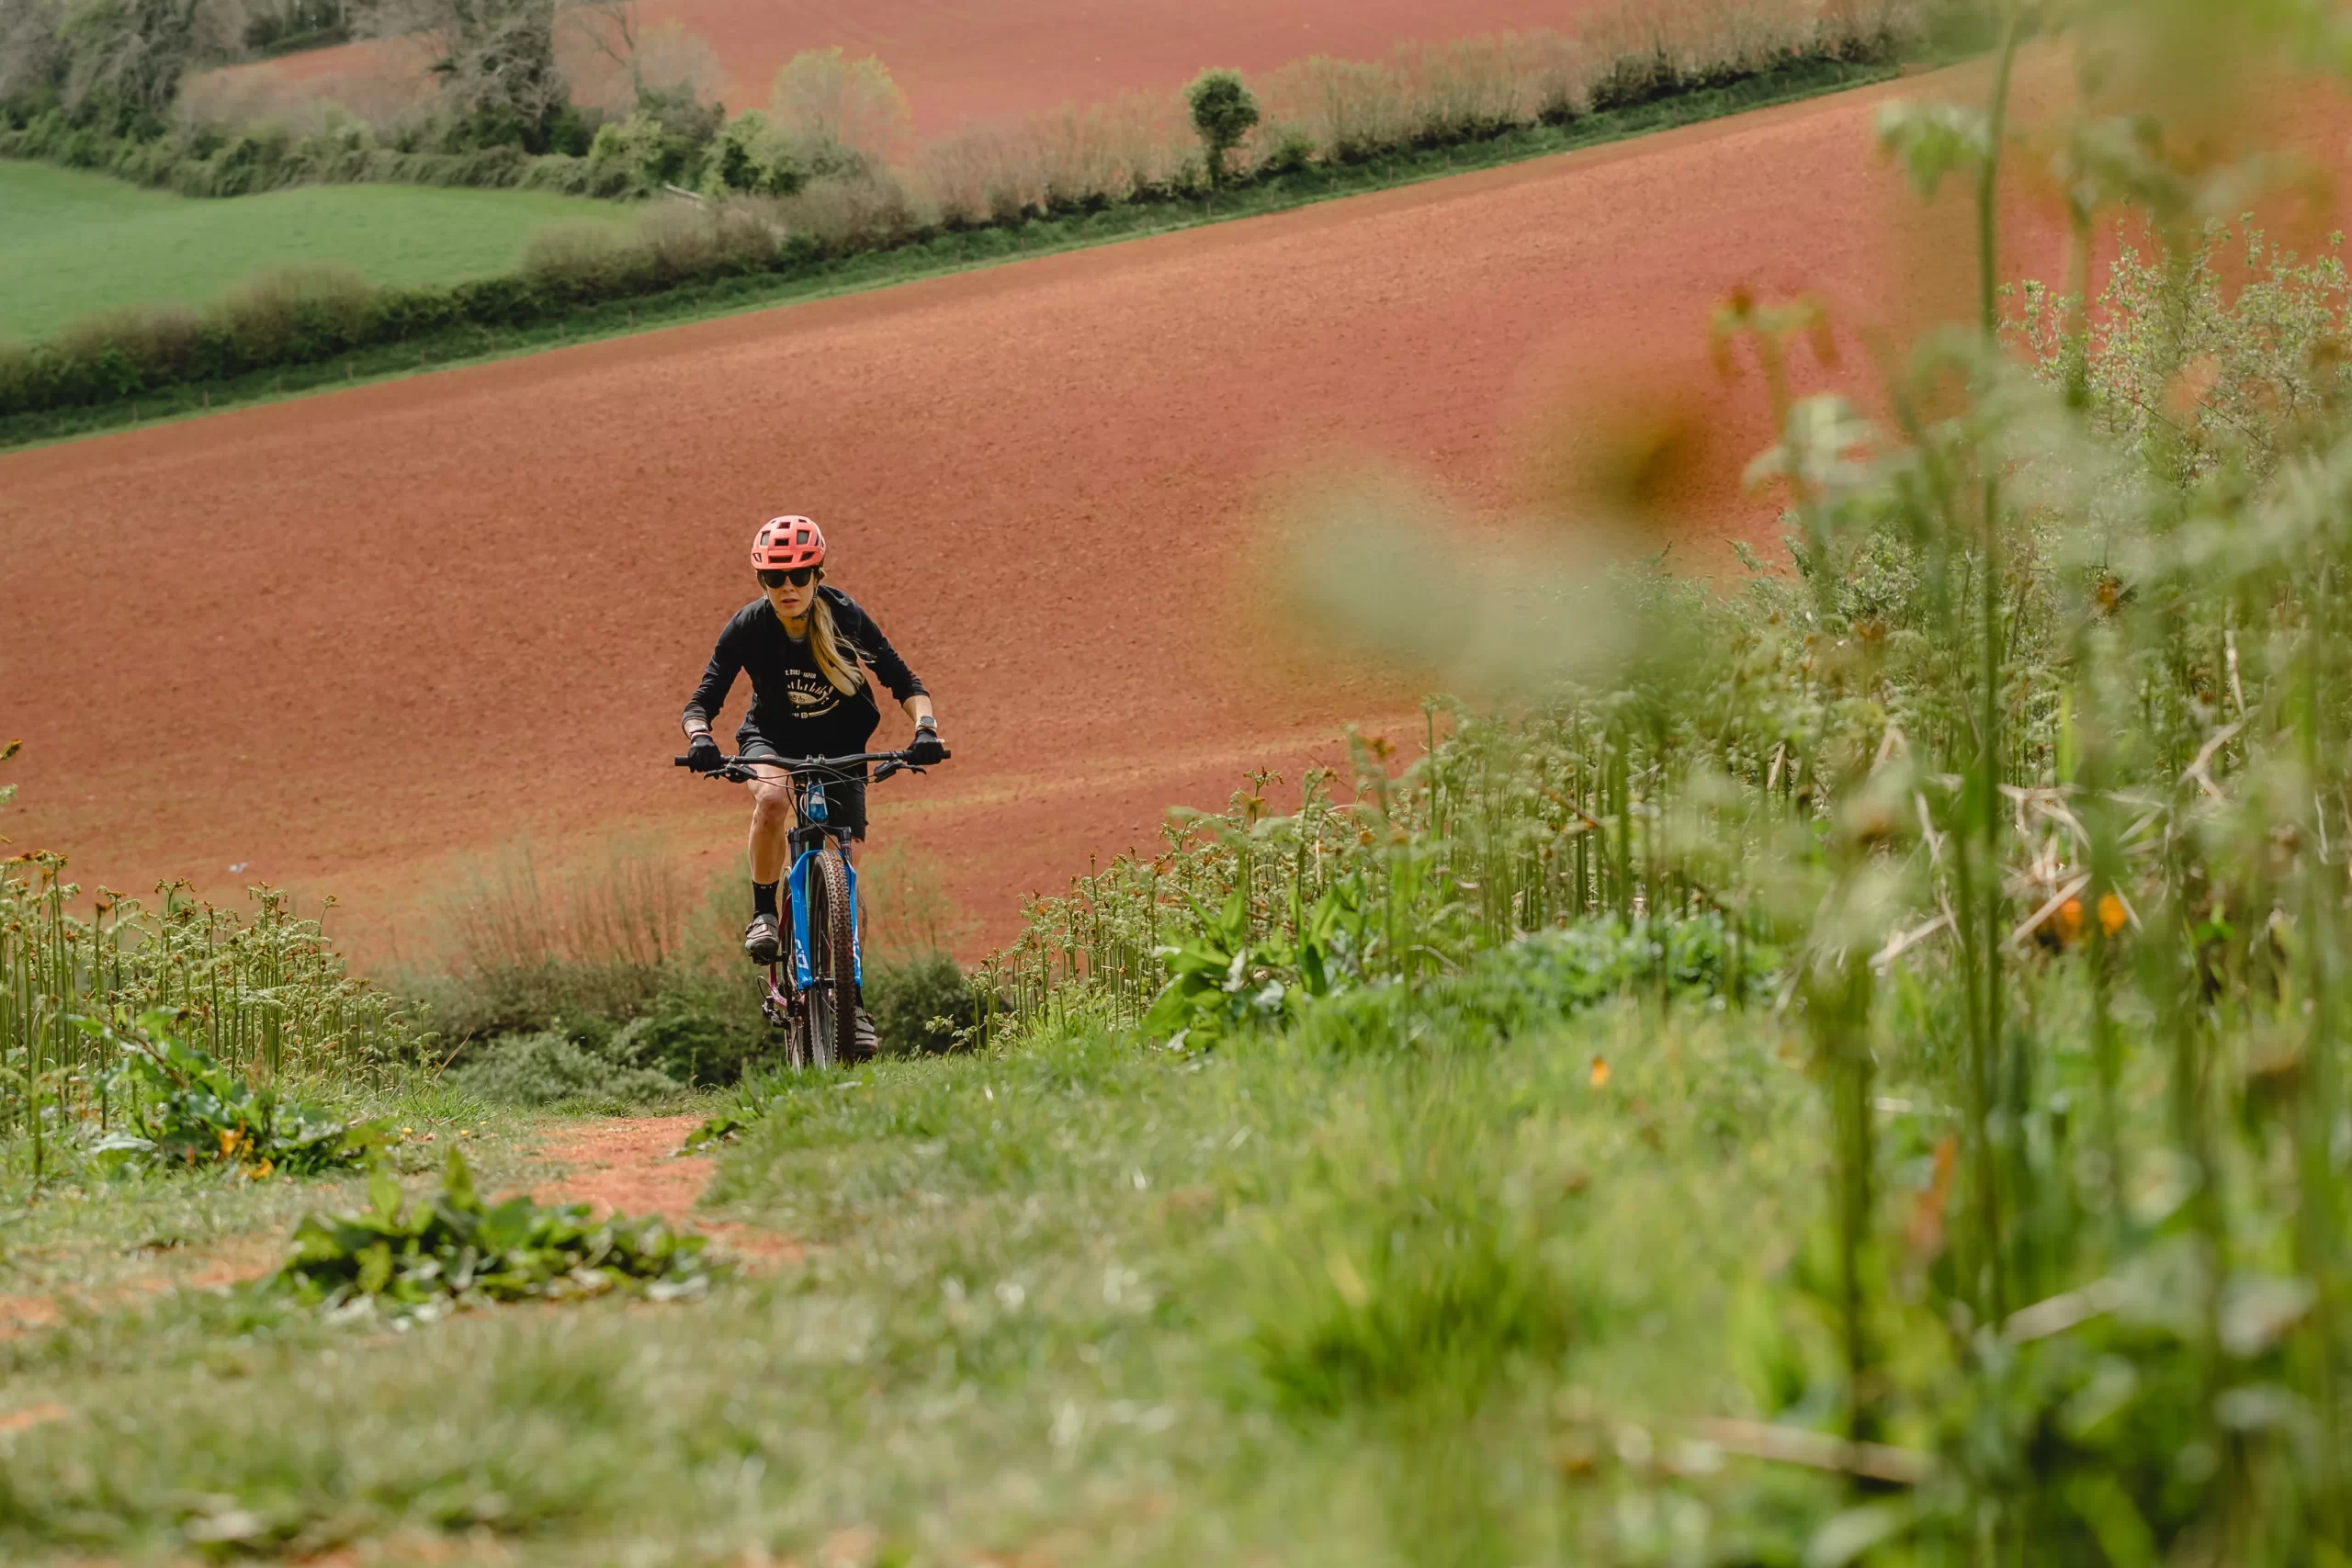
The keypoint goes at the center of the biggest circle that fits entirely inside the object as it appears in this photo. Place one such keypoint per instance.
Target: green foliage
(560, 1071)
(750, 155)
(921, 1002)
(417, 1260)
(263, 1005)
(1541, 980)
(1223, 113)
(181, 1107)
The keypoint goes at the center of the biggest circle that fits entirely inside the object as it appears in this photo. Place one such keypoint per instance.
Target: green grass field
(72, 242)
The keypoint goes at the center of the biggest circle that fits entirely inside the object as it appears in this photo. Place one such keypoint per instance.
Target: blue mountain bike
(810, 992)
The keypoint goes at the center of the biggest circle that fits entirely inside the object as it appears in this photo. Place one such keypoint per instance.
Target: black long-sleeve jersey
(794, 707)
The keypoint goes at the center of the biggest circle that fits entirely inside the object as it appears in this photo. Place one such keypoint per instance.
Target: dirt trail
(631, 1165)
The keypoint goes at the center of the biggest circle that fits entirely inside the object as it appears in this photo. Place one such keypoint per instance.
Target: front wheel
(832, 998)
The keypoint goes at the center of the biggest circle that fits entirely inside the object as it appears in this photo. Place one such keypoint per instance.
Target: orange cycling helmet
(786, 544)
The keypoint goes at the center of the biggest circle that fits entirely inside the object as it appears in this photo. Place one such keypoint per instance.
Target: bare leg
(771, 823)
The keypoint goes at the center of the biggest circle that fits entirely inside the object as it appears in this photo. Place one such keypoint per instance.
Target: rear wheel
(832, 963)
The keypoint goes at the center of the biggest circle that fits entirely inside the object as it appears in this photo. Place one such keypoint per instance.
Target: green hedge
(269, 157)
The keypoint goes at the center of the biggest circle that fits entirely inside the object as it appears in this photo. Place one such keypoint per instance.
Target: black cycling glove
(704, 756)
(927, 749)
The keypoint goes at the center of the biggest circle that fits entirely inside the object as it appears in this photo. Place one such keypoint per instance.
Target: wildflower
(1599, 1076)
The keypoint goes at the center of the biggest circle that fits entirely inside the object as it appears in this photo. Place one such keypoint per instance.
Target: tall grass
(262, 991)
(2033, 775)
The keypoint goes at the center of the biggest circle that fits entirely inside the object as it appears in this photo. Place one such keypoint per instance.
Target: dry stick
(1816, 1450)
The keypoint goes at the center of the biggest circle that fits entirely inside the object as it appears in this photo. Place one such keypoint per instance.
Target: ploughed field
(1004, 59)
(337, 642)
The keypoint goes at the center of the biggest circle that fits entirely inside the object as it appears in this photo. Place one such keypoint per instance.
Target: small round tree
(1223, 112)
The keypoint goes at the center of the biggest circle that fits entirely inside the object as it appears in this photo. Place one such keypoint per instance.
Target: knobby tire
(832, 949)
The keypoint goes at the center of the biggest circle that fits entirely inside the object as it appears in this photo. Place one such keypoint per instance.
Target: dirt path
(631, 1165)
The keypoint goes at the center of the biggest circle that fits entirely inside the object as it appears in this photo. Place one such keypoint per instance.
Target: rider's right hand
(704, 755)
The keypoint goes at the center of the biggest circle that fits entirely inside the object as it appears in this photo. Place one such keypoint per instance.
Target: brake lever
(886, 769)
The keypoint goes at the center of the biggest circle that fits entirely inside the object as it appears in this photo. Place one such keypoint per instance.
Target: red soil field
(339, 641)
(993, 60)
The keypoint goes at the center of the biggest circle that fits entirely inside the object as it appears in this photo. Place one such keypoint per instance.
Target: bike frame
(808, 839)
(811, 827)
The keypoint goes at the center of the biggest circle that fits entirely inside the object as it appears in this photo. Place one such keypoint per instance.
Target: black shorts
(844, 798)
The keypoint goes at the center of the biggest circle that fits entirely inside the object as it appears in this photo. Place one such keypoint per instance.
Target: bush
(297, 314)
(551, 1070)
(1223, 113)
(135, 347)
(185, 1109)
(704, 1029)
(918, 1002)
(753, 156)
(584, 262)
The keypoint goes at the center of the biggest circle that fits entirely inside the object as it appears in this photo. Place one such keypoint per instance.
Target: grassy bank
(74, 242)
(1079, 1301)
(526, 318)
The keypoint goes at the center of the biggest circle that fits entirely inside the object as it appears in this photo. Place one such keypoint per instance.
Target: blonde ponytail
(844, 673)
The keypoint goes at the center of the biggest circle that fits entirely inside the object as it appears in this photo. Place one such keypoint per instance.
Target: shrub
(552, 1069)
(296, 313)
(135, 347)
(682, 243)
(843, 217)
(703, 1029)
(919, 1002)
(584, 262)
(186, 1110)
(1223, 113)
(750, 155)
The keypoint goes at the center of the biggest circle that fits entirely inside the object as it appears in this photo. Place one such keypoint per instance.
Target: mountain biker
(803, 644)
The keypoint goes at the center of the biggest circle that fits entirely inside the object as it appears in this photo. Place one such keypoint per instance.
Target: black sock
(764, 898)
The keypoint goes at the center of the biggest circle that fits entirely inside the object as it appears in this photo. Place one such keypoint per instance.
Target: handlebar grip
(680, 762)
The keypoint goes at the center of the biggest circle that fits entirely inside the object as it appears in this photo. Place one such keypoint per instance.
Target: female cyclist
(803, 645)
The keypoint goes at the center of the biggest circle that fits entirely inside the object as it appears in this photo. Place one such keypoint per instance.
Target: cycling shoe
(763, 940)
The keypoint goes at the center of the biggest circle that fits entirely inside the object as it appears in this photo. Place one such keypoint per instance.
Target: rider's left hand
(926, 750)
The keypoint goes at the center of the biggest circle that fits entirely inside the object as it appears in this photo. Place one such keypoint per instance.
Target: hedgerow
(720, 250)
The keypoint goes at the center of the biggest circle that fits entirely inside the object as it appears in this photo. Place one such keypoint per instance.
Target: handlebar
(804, 764)
(737, 769)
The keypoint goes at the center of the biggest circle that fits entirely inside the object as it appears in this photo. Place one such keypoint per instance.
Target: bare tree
(495, 58)
(614, 58)
(125, 59)
(33, 56)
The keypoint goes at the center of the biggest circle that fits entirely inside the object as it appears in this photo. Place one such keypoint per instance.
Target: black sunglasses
(799, 576)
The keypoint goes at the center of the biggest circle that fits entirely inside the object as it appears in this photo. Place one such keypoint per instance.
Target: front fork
(802, 865)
